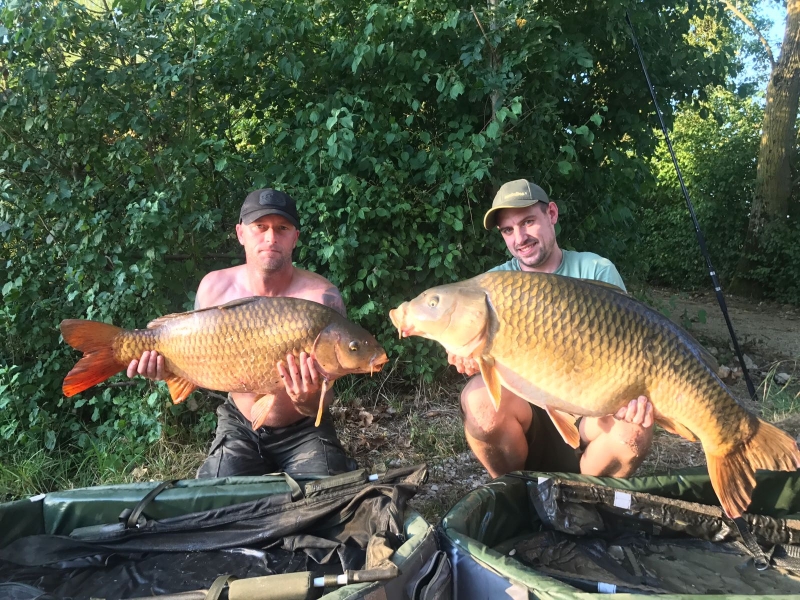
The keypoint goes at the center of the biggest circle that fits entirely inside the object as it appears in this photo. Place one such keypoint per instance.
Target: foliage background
(131, 134)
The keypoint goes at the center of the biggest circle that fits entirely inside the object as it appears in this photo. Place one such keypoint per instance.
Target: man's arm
(151, 364)
(209, 290)
(609, 274)
(300, 378)
(333, 299)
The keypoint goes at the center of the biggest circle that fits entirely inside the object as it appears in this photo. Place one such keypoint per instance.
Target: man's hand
(150, 365)
(302, 381)
(638, 412)
(467, 366)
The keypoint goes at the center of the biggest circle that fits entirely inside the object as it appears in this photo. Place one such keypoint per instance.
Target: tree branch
(752, 26)
(483, 31)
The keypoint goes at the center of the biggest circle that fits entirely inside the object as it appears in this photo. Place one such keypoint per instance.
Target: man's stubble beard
(274, 264)
(540, 258)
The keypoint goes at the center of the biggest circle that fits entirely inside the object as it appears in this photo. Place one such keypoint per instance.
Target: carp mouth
(377, 362)
(399, 317)
(407, 331)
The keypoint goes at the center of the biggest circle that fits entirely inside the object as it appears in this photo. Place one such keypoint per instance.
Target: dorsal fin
(161, 320)
(705, 355)
(605, 284)
(238, 302)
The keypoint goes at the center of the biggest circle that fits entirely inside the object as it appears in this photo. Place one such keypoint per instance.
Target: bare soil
(394, 430)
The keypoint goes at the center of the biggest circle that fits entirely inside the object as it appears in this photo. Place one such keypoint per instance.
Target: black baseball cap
(268, 202)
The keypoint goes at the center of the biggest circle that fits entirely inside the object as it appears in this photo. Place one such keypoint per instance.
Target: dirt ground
(426, 427)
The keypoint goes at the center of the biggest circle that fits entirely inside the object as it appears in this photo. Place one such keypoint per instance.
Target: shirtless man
(268, 230)
(520, 435)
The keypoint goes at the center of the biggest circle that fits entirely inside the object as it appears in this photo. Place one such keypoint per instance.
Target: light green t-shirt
(582, 265)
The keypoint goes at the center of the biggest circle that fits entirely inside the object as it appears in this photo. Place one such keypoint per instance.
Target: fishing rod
(700, 239)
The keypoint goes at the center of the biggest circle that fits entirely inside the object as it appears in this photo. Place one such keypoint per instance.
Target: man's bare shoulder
(219, 287)
(313, 286)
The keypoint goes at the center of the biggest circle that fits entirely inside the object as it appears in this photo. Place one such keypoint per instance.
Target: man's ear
(552, 210)
(240, 233)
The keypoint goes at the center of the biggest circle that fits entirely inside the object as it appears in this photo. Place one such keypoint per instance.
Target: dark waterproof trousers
(299, 449)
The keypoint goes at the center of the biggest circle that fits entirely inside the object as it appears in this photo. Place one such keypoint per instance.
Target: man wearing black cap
(268, 229)
(520, 435)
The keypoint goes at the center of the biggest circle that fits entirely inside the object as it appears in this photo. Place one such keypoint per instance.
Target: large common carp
(575, 347)
(234, 347)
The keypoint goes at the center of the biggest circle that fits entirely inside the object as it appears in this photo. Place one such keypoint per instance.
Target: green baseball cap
(514, 194)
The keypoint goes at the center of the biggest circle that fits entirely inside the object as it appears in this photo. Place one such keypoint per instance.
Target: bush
(716, 154)
(132, 136)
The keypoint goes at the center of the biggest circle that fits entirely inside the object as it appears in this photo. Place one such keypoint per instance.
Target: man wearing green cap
(520, 435)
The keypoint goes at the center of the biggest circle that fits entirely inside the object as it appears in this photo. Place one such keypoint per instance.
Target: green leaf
(456, 90)
(493, 130)
(596, 119)
(220, 163)
(564, 167)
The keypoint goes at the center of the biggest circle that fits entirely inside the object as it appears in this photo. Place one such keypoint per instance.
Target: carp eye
(433, 301)
(353, 346)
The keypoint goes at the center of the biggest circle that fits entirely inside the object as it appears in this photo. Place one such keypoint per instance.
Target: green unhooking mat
(559, 536)
(257, 537)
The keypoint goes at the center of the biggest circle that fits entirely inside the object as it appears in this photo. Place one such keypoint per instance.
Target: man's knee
(618, 451)
(482, 419)
(635, 438)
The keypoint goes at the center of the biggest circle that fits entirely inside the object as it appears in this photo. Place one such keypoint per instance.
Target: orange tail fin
(733, 475)
(94, 339)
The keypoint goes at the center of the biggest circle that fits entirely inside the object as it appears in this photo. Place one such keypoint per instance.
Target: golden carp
(576, 347)
(234, 347)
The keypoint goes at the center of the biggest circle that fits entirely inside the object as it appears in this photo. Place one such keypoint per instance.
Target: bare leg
(614, 448)
(497, 437)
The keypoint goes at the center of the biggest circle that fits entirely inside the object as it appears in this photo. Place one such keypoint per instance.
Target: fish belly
(565, 395)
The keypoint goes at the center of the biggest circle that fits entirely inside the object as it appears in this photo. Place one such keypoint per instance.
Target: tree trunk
(775, 154)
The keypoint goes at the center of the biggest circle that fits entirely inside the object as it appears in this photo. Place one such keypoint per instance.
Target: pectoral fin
(491, 379)
(322, 393)
(179, 388)
(565, 423)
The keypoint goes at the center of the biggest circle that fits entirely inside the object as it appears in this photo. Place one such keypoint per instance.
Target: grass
(45, 471)
(779, 400)
(381, 421)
